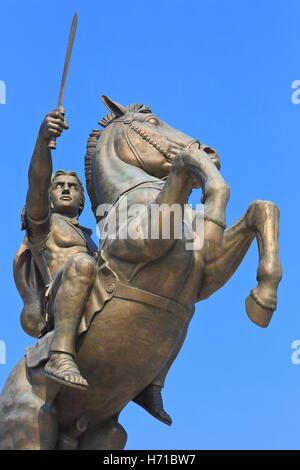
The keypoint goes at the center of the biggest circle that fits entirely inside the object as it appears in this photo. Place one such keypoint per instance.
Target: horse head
(134, 147)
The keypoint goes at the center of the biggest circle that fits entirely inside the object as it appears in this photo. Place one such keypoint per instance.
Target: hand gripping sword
(52, 142)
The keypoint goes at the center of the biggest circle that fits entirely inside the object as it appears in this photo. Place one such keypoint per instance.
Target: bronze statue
(143, 291)
(62, 251)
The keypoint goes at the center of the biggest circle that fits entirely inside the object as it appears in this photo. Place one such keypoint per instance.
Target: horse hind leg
(263, 219)
(108, 436)
(27, 423)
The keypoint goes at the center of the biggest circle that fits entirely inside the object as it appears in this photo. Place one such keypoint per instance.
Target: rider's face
(65, 195)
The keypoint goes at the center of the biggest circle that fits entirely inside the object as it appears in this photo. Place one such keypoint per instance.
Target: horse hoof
(257, 313)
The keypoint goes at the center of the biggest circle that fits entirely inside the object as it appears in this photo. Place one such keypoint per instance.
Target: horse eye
(153, 121)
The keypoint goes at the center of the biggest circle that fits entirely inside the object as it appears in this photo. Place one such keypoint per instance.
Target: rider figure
(62, 249)
(64, 254)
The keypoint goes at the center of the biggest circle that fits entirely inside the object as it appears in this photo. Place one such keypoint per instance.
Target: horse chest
(182, 272)
(176, 275)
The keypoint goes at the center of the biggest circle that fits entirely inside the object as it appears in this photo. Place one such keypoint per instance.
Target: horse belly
(127, 345)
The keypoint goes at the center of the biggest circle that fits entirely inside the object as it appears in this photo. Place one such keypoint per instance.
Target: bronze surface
(121, 311)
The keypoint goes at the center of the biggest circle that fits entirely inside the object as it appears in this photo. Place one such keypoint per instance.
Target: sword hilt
(52, 143)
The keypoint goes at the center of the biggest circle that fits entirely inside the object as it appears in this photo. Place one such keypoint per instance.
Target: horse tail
(88, 164)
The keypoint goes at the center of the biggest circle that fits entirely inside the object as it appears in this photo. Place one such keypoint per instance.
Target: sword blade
(68, 57)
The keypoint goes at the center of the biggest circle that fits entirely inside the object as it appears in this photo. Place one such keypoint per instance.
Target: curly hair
(69, 173)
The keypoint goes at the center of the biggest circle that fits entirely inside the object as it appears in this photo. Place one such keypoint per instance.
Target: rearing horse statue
(146, 288)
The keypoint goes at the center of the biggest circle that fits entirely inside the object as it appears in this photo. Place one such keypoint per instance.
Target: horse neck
(111, 175)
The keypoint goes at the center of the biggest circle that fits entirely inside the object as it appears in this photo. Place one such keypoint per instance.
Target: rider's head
(66, 193)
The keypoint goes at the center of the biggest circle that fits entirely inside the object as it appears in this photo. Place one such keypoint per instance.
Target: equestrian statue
(110, 320)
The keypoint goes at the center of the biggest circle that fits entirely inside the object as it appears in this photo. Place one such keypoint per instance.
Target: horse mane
(91, 148)
(88, 166)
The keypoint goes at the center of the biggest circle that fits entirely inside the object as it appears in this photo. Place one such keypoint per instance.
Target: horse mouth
(174, 150)
(216, 161)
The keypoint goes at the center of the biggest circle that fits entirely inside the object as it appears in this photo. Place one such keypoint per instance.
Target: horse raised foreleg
(263, 218)
(260, 221)
(189, 167)
(192, 167)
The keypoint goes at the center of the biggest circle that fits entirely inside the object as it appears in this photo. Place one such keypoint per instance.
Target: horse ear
(114, 107)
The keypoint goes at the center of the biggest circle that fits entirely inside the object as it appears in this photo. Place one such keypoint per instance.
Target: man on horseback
(64, 255)
(62, 250)
(131, 308)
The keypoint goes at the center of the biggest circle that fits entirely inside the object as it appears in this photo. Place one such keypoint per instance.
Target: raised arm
(40, 170)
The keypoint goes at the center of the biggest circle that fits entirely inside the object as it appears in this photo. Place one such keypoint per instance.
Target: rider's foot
(62, 368)
(151, 400)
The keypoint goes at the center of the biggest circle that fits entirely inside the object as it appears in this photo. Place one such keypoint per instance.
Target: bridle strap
(129, 123)
(139, 159)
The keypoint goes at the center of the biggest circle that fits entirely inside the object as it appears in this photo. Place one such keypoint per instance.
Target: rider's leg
(150, 398)
(75, 286)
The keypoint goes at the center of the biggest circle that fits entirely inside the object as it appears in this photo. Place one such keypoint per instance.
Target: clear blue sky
(221, 72)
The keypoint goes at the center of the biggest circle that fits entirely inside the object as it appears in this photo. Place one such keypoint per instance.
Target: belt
(133, 293)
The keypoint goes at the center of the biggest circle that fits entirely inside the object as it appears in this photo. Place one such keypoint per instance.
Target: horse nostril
(209, 150)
